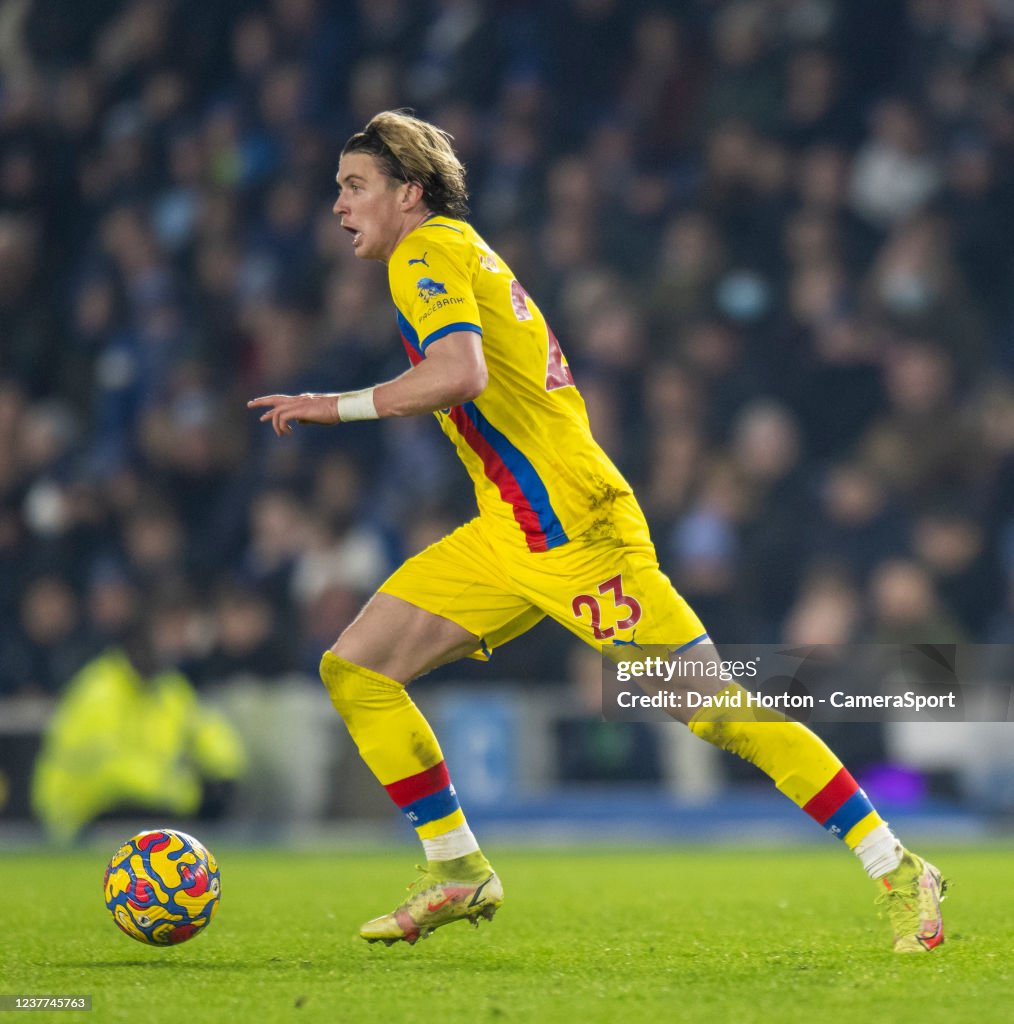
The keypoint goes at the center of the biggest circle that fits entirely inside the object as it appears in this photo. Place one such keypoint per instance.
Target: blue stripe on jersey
(850, 813)
(529, 481)
(430, 808)
(408, 331)
(442, 332)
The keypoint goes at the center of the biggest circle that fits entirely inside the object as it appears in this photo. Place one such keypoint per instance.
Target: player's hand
(286, 410)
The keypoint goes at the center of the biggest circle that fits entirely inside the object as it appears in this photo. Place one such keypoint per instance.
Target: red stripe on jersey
(506, 483)
(414, 355)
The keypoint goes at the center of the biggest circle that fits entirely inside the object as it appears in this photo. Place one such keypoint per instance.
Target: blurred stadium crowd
(773, 237)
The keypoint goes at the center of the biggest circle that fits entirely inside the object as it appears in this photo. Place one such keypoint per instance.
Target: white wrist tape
(357, 405)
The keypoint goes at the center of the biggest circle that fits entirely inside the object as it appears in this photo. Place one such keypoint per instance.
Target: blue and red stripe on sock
(425, 797)
(840, 805)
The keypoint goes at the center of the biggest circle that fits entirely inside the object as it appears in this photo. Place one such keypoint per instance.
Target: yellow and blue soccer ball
(162, 887)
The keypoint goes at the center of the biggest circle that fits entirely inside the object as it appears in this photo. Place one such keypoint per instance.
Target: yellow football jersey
(539, 475)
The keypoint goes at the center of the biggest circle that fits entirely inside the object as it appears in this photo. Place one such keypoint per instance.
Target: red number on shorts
(614, 586)
(589, 602)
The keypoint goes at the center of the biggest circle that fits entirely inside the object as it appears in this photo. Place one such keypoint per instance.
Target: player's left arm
(454, 371)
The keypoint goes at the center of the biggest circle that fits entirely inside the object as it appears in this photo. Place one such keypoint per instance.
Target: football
(162, 887)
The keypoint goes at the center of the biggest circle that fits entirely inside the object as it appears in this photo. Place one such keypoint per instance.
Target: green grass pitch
(676, 934)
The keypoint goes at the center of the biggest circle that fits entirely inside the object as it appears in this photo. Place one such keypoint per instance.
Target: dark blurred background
(773, 237)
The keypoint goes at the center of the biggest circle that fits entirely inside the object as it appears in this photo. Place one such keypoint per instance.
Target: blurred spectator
(976, 202)
(828, 610)
(767, 450)
(674, 457)
(706, 545)
(906, 608)
(920, 445)
(691, 259)
(951, 544)
(915, 285)
(279, 529)
(858, 526)
(154, 544)
(48, 643)
(822, 175)
(816, 107)
(112, 604)
(29, 350)
(660, 87)
(744, 81)
(130, 734)
(247, 639)
(895, 173)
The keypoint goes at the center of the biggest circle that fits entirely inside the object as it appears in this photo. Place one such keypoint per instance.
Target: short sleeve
(432, 290)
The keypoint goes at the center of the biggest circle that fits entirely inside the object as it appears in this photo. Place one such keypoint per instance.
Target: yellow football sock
(399, 747)
(801, 764)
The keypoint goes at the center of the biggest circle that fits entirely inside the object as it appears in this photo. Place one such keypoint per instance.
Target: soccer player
(558, 533)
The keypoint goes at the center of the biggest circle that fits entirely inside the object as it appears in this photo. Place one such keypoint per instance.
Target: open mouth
(355, 233)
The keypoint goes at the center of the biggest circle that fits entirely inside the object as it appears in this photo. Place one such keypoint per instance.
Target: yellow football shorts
(605, 585)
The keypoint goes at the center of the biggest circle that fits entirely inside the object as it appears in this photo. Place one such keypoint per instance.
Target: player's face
(370, 205)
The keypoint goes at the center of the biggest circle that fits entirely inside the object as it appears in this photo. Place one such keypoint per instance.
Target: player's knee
(370, 648)
(353, 688)
(721, 733)
(344, 687)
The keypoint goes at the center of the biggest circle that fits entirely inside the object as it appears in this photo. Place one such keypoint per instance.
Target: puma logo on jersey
(422, 260)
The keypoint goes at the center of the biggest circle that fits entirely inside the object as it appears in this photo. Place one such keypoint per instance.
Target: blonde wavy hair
(410, 149)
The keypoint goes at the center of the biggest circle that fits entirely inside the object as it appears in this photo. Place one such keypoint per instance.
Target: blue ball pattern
(162, 887)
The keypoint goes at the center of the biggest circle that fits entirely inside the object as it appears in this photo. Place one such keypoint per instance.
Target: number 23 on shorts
(616, 601)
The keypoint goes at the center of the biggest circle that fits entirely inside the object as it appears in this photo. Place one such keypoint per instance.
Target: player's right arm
(454, 371)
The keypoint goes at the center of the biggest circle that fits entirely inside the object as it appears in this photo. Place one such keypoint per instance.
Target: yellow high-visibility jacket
(118, 739)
